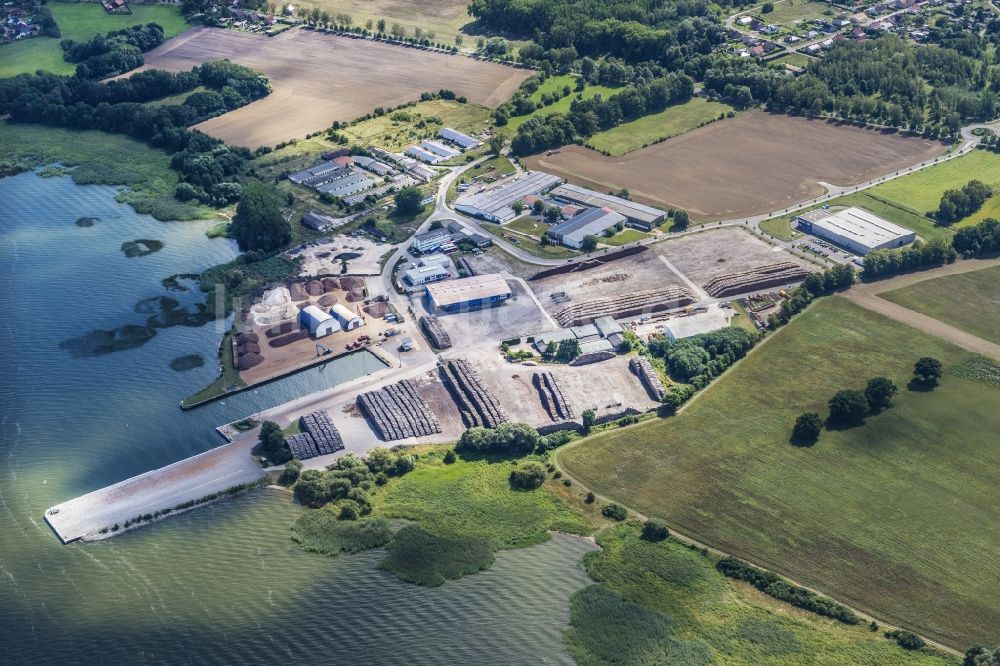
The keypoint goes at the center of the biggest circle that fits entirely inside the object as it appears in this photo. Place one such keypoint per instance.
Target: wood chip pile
(756, 279)
(624, 305)
(319, 437)
(552, 396)
(435, 332)
(647, 373)
(397, 412)
(479, 407)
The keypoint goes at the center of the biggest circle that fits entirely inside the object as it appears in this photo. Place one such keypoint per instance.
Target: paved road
(867, 296)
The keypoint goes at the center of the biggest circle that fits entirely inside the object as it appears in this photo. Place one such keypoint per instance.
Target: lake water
(223, 584)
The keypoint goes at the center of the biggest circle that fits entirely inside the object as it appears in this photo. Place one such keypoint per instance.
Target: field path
(867, 296)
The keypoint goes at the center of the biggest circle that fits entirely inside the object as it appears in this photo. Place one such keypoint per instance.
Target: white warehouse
(855, 229)
(319, 323)
(493, 203)
(347, 319)
(459, 139)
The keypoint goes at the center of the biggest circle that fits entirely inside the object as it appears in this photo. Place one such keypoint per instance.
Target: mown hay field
(753, 163)
(672, 121)
(318, 78)
(892, 516)
(969, 301)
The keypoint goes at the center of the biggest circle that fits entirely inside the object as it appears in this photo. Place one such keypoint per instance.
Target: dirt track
(319, 78)
(867, 296)
(753, 163)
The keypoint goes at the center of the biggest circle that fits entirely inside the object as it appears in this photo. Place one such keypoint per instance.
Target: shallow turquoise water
(223, 584)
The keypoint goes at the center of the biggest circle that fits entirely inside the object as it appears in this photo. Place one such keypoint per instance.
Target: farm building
(592, 222)
(319, 323)
(430, 240)
(636, 215)
(856, 229)
(423, 154)
(347, 319)
(702, 322)
(459, 139)
(440, 149)
(470, 293)
(493, 203)
(426, 274)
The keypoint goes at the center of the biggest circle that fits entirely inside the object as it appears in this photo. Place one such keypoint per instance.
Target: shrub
(590, 498)
(349, 510)
(614, 511)
(654, 530)
(290, 474)
(528, 476)
(450, 457)
(906, 639)
(567, 482)
(507, 438)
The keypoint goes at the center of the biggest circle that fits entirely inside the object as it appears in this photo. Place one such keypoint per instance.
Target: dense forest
(206, 165)
(113, 53)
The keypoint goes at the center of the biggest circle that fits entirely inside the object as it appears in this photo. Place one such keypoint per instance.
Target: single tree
(654, 530)
(290, 474)
(449, 457)
(528, 476)
(380, 25)
(272, 443)
(589, 243)
(517, 207)
(552, 214)
(538, 207)
(408, 200)
(880, 392)
(681, 220)
(807, 428)
(259, 223)
(848, 407)
(927, 371)
(588, 417)
(496, 143)
(458, 40)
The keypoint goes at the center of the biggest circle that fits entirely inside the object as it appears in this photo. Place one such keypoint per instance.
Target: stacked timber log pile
(435, 332)
(647, 373)
(552, 395)
(319, 437)
(592, 357)
(479, 407)
(397, 411)
(756, 279)
(624, 305)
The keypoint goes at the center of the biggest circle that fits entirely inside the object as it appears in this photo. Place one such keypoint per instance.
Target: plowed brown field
(753, 163)
(319, 78)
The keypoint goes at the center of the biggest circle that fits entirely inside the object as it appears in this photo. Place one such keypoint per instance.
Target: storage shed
(319, 323)
(347, 319)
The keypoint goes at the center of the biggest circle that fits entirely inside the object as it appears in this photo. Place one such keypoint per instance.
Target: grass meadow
(659, 603)
(890, 516)
(969, 301)
(106, 159)
(81, 21)
(649, 129)
(552, 84)
(922, 191)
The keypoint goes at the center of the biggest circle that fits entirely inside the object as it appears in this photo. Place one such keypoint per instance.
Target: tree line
(112, 53)
(919, 254)
(586, 117)
(203, 162)
(960, 203)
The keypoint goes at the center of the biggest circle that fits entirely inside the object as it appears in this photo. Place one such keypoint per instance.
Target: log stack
(318, 437)
(479, 407)
(435, 332)
(650, 379)
(397, 411)
(553, 399)
(624, 305)
(756, 279)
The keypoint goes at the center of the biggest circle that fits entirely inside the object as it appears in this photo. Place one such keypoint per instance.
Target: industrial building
(318, 171)
(373, 165)
(423, 154)
(425, 275)
(855, 229)
(347, 319)
(349, 184)
(493, 203)
(319, 221)
(470, 293)
(440, 149)
(319, 323)
(591, 222)
(636, 215)
(459, 139)
(430, 240)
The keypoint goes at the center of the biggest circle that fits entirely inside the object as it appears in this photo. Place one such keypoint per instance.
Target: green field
(650, 129)
(527, 225)
(797, 59)
(562, 106)
(528, 243)
(106, 159)
(788, 12)
(474, 500)
(80, 22)
(498, 165)
(399, 129)
(625, 237)
(889, 516)
(922, 191)
(663, 603)
(780, 228)
(969, 301)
